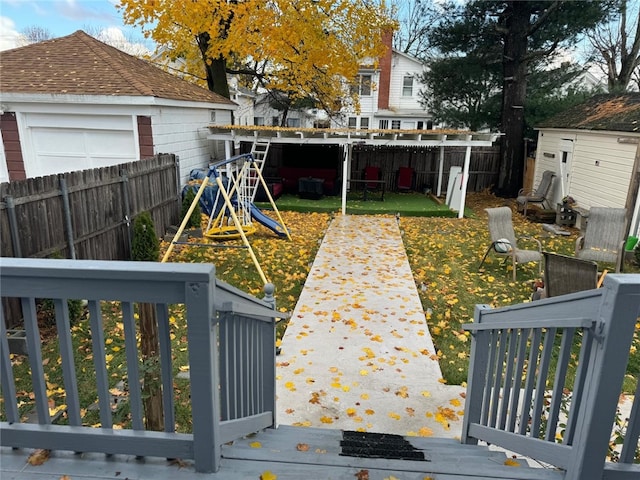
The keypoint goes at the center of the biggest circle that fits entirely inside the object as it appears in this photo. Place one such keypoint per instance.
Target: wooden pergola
(347, 138)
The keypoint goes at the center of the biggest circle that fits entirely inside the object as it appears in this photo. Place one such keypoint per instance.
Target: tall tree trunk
(152, 388)
(216, 68)
(514, 90)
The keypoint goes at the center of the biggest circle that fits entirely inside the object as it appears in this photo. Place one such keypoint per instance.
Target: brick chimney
(385, 72)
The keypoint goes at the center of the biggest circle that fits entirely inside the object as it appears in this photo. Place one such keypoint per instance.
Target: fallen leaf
(267, 475)
(255, 445)
(362, 475)
(302, 447)
(326, 419)
(38, 457)
(510, 462)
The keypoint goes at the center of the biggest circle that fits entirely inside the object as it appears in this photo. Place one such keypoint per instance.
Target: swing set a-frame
(237, 180)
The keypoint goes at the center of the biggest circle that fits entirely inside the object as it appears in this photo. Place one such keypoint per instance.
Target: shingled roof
(620, 113)
(78, 64)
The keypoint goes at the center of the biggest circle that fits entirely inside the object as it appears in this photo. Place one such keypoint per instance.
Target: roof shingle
(615, 112)
(78, 64)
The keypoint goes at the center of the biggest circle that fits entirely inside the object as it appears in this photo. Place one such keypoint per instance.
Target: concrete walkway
(357, 354)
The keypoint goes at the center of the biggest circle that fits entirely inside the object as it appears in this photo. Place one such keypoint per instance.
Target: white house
(592, 148)
(389, 95)
(74, 103)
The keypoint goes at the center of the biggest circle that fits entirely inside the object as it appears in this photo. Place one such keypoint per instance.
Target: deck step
(287, 451)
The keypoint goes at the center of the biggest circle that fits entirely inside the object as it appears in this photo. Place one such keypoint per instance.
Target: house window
(275, 121)
(420, 125)
(383, 124)
(259, 121)
(353, 122)
(395, 124)
(364, 123)
(293, 122)
(212, 115)
(362, 86)
(365, 85)
(407, 86)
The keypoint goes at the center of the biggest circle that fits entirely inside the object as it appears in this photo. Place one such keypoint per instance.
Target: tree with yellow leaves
(307, 48)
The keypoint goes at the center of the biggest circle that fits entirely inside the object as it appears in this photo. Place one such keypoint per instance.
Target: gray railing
(545, 378)
(230, 338)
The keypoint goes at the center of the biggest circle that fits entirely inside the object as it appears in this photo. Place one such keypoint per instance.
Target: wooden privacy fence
(483, 169)
(87, 214)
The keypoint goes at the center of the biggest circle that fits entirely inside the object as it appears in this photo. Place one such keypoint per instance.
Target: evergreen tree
(146, 248)
(513, 34)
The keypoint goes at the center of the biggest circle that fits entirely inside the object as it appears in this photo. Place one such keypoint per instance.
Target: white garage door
(65, 143)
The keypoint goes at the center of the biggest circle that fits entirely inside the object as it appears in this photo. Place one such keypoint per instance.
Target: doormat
(379, 445)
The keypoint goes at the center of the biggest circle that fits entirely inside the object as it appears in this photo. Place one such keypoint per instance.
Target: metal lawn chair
(500, 229)
(564, 274)
(604, 238)
(540, 195)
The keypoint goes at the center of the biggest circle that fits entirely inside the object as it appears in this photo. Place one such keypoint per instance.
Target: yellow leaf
(255, 445)
(267, 475)
(455, 402)
(326, 419)
(364, 372)
(511, 462)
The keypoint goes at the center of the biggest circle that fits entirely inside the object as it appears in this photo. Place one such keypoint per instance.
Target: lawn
(407, 204)
(444, 254)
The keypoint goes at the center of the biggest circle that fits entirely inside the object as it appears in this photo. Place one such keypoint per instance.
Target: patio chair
(405, 179)
(604, 238)
(504, 242)
(372, 173)
(564, 274)
(540, 195)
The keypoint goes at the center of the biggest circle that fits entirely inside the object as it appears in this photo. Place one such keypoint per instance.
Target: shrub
(146, 245)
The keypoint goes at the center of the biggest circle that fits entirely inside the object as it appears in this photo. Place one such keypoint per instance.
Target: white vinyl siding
(600, 168)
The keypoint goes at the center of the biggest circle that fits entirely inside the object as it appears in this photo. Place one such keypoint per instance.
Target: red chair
(405, 178)
(372, 173)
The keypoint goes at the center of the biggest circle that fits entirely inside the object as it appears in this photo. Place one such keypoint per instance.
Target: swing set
(233, 213)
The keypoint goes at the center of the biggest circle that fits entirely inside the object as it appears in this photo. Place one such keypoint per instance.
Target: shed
(74, 103)
(592, 148)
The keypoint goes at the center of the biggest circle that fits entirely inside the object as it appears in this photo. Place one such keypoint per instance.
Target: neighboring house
(591, 147)
(245, 99)
(74, 103)
(266, 114)
(390, 95)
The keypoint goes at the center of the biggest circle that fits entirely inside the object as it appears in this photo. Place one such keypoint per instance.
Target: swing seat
(229, 232)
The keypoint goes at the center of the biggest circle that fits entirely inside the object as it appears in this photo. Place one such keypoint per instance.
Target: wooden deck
(289, 453)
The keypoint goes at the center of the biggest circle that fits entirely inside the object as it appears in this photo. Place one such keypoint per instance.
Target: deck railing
(231, 357)
(545, 378)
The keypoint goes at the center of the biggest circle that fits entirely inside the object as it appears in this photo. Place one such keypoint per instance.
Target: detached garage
(75, 103)
(592, 148)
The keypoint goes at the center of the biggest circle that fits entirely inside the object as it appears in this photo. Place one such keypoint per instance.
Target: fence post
(67, 215)
(127, 209)
(13, 226)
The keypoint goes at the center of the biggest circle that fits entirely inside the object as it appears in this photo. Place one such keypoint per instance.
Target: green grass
(406, 204)
(444, 255)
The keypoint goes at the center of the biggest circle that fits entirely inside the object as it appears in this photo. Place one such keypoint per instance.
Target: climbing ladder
(259, 152)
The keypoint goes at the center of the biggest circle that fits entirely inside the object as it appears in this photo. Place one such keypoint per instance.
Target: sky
(63, 17)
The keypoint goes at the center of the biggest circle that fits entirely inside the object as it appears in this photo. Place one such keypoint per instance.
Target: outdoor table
(309, 187)
(378, 185)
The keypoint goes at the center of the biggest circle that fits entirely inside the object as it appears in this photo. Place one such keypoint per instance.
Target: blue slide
(268, 222)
